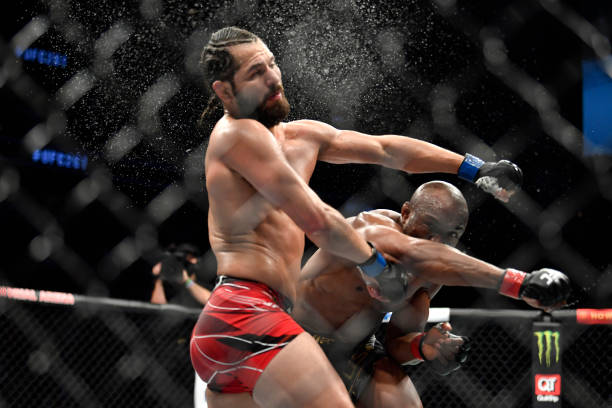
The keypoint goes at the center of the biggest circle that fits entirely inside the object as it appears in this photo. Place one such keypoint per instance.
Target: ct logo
(548, 384)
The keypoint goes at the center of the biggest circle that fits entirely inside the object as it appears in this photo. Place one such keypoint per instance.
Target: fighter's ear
(223, 90)
(406, 209)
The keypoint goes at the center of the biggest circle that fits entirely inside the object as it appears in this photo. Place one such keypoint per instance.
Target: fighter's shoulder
(311, 129)
(230, 130)
(379, 217)
(386, 214)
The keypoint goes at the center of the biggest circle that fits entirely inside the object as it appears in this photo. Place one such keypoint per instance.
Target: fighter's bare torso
(251, 238)
(336, 296)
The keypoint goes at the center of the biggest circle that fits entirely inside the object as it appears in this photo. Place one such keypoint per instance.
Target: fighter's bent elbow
(317, 223)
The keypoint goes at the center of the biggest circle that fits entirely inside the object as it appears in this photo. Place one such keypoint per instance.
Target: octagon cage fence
(60, 349)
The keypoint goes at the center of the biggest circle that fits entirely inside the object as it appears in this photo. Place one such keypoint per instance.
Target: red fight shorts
(242, 327)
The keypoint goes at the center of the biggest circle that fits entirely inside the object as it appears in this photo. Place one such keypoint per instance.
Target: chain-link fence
(101, 161)
(501, 368)
(96, 352)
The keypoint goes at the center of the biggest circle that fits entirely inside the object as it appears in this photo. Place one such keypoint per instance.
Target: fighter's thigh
(389, 387)
(300, 375)
(219, 400)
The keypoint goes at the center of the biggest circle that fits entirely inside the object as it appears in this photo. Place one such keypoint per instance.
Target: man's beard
(269, 115)
(273, 115)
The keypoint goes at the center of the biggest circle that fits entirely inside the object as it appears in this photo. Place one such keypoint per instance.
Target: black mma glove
(385, 281)
(460, 358)
(548, 286)
(442, 344)
(501, 179)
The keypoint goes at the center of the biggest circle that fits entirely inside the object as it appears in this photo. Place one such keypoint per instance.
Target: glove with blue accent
(501, 179)
(385, 281)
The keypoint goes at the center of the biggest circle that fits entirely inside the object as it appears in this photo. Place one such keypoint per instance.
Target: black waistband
(284, 302)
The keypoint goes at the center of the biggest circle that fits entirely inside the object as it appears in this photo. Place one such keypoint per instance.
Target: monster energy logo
(545, 346)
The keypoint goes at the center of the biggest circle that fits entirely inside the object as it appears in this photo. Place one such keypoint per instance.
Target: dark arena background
(101, 169)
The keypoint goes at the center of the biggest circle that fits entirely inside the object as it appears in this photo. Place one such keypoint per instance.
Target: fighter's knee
(409, 396)
(392, 388)
(398, 400)
(413, 403)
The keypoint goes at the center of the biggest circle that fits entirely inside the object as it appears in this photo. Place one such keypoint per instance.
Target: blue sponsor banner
(56, 158)
(43, 57)
(596, 108)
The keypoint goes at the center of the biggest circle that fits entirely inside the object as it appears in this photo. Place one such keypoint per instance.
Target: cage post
(546, 364)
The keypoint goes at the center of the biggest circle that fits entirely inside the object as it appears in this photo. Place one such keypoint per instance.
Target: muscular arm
(437, 263)
(251, 150)
(406, 324)
(393, 151)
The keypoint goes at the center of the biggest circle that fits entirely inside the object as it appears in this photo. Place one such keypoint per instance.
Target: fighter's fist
(501, 179)
(444, 351)
(386, 281)
(545, 288)
(390, 285)
(548, 286)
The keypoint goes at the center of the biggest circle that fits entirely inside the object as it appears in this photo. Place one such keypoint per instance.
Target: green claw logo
(545, 339)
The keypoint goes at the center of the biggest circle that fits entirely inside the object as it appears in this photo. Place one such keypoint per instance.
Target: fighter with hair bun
(245, 345)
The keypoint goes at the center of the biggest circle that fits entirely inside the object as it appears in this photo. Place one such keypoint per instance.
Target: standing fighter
(245, 345)
(343, 313)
